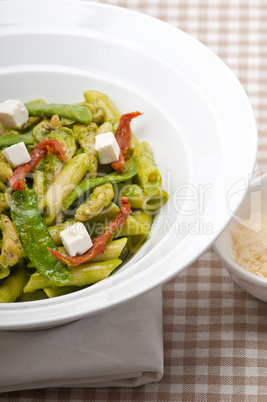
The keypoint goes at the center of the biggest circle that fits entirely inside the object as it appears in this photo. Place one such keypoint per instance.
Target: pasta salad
(78, 193)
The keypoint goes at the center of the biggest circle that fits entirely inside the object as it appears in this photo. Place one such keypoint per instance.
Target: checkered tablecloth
(215, 335)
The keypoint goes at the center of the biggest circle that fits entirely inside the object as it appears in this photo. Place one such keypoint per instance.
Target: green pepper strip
(130, 170)
(35, 238)
(73, 112)
(10, 139)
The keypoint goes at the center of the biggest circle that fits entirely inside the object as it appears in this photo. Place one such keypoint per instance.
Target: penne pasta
(12, 287)
(103, 102)
(148, 173)
(100, 198)
(84, 274)
(71, 175)
(140, 200)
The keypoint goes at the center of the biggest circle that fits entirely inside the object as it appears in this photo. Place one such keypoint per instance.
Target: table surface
(215, 335)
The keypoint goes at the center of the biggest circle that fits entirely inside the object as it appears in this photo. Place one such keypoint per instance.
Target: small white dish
(255, 202)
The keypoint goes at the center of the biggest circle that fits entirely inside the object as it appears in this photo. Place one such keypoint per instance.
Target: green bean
(10, 139)
(130, 170)
(72, 112)
(84, 274)
(35, 237)
(100, 198)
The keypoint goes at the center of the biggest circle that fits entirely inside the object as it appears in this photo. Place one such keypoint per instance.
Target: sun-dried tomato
(123, 137)
(52, 146)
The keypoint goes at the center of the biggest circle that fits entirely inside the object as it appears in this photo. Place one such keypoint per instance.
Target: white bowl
(253, 203)
(197, 119)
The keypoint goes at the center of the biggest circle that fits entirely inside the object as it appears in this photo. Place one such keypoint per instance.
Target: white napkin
(122, 347)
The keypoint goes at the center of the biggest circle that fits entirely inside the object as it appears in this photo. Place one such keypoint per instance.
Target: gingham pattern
(215, 334)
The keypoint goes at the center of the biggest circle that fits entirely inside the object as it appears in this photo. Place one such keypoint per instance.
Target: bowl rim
(170, 30)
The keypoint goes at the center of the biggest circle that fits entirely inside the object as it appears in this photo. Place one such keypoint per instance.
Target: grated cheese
(250, 245)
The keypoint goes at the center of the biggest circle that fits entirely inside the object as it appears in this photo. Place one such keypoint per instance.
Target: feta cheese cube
(107, 147)
(76, 239)
(13, 113)
(17, 154)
